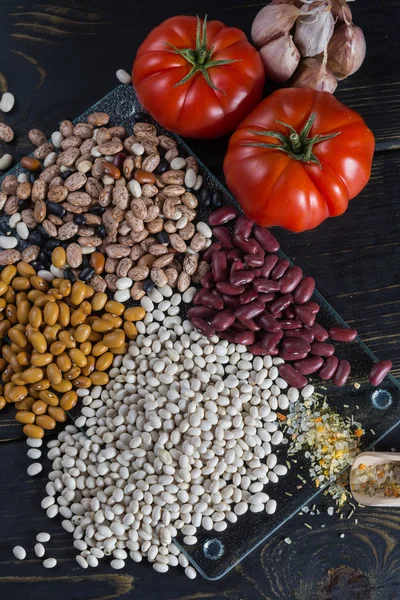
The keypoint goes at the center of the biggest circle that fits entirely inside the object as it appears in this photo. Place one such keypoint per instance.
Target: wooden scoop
(373, 458)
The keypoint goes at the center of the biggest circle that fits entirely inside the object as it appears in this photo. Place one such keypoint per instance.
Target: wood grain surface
(58, 59)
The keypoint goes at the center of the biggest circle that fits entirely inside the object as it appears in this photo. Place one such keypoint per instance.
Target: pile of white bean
(182, 437)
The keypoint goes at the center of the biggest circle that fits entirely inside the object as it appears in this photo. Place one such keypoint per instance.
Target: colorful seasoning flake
(377, 480)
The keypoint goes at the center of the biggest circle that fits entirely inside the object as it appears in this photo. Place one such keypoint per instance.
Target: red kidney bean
(328, 370)
(202, 312)
(268, 265)
(320, 333)
(250, 310)
(222, 215)
(219, 266)
(258, 350)
(254, 260)
(304, 290)
(245, 337)
(379, 371)
(295, 345)
(231, 290)
(265, 285)
(228, 335)
(247, 246)
(266, 297)
(303, 334)
(269, 323)
(251, 324)
(223, 320)
(309, 365)
(234, 255)
(243, 227)
(292, 376)
(312, 307)
(271, 340)
(342, 372)
(207, 254)
(342, 334)
(289, 323)
(197, 299)
(212, 300)
(322, 349)
(248, 296)
(237, 265)
(241, 277)
(232, 302)
(290, 280)
(266, 239)
(207, 280)
(203, 327)
(292, 356)
(280, 304)
(257, 272)
(304, 315)
(224, 236)
(288, 313)
(280, 268)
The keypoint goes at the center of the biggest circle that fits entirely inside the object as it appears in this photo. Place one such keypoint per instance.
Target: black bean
(53, 208)
(148, 285)
(162, 166)
(97, 210)
(65, 174)
(85, 261)
(179, 256)
(35, 265)
(41, 266)
(5, 228)
(216, 199)
(22, 204)
(205, 197)
(140, 116)
(101, 231)
(68, 274)
(79, 219)
(43, 232)
(86, 273)
(35, 238)
(32, 177)
(51, 244)
(162, 237)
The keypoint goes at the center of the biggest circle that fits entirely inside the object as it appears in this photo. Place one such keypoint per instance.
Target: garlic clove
(273, 21)
(312, 73)
(280, 58)
(314, 30)
(341, 11)
(346, 50)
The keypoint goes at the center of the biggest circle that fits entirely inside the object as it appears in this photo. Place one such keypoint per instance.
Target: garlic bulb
(273, 21)
(312, 72)
(346, 50)
(341, 11)
(314, 31)
(280, 58)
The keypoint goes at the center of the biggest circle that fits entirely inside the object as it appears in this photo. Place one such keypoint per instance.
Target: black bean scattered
(68, 274)
(65, 174)
(22, 204)
(35, 238)
(79, 219)
(85, 261)
(101, 231)
(140, 116)
(162, 166)
(43, 232)
(162, 237)
(52, 243)
(5, 228)
(35, 265)
(86, 273)
(32, 177)
(216, 199)
(205, 197)
(53, 208)
(97, 210)
(148, 285)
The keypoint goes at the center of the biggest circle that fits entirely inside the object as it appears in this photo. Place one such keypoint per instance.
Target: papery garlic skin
(280, 58)
(314, 31)
(346, 50)
(313, 73)
(273, 21)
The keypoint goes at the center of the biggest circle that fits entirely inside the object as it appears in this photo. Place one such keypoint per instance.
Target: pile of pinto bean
(252, 297)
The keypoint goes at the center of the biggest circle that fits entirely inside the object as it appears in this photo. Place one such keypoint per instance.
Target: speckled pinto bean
(224, 236)
(309, 365)
(219, 266)
(223, 320)
(292, 376)
(342, 373)
(328, 370)
(222, 215)
(342, 334)
(266, 239)
(304, 290)
(379, 371)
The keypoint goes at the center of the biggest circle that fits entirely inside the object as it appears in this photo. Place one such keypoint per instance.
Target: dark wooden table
(58, 59)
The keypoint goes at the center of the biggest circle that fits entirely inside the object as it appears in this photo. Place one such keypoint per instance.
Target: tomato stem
(200, 57)
(296, 145)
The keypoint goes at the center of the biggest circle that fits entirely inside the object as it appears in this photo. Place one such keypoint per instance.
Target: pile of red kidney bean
(252, 297)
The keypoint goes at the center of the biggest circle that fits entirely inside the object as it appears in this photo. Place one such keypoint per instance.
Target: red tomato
(287, 169)
(197, 79)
